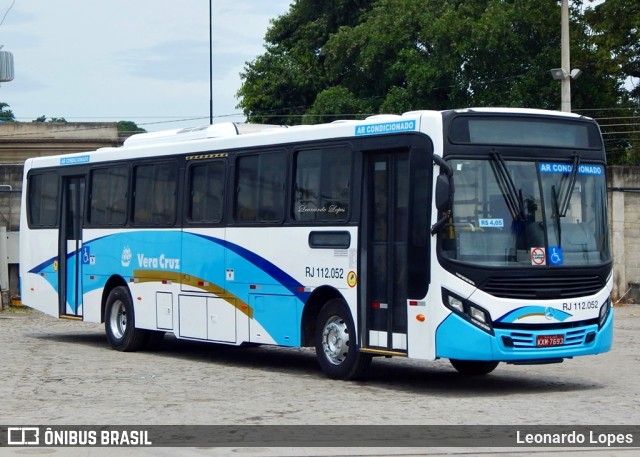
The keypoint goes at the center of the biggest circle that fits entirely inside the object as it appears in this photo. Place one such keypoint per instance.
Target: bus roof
(232, 135)
(198, 133)
(529, 111)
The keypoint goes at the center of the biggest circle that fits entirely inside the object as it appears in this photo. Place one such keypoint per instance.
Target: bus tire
(119, 322)
(473, 367)
(336, 347)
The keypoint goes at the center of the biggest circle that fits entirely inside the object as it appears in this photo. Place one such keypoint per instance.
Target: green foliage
(43, 118)
(332, 104)
(283, 83)
(6, 115)
(615, 26)
(126, 128)
(343, 58)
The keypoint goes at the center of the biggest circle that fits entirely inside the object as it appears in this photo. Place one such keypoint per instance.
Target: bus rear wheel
(119, 322)
(336, 347)
(473, 367)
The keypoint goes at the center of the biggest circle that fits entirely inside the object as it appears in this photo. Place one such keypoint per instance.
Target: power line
(7, 12)
(606, 109)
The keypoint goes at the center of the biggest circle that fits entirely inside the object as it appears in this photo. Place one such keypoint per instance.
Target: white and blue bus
(476, 235)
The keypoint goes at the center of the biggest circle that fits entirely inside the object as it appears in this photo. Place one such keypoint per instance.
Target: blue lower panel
(456, 338)
(280, 315)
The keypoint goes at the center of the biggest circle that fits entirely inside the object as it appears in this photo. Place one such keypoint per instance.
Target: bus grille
(543, 287)
(528, 340)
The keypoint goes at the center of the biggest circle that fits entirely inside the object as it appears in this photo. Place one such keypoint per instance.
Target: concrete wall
(624, 226)
(10, 192)
(21, 140)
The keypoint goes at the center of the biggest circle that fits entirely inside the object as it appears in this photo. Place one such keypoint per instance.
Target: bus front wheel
(119, 322)
(473, 367)
(335, 341)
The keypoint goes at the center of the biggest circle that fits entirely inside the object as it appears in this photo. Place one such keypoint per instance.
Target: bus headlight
(604, 312)
(471, 312)
(455, 304)
(477, 314)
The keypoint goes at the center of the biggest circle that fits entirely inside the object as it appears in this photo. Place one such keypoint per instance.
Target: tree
(6, 115)
(400, 55)
(283, 83)
(614, 26)
(128, 128)
(332, 104)
(43, 118)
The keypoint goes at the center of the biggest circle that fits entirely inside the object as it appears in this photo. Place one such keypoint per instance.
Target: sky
(145, 61)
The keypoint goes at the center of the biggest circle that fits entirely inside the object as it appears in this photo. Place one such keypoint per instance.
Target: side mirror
(443, 193)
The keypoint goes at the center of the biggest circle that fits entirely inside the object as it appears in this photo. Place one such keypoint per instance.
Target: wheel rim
(335, 340)
(118, 319)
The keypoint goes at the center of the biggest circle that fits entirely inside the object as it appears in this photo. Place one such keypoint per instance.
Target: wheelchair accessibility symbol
(85, 255)
(87, 258)
(555, 255)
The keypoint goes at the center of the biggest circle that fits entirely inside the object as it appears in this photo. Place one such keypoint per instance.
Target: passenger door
(396, 215)
(71, 254)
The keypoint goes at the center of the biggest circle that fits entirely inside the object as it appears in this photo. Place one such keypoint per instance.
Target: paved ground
(56, 372)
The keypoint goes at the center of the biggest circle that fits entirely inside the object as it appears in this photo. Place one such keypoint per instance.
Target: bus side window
(154, 194)
(206, 186)
(272, 189)
(322, 189)
(43, 199)
(260, 190)
(108, 196)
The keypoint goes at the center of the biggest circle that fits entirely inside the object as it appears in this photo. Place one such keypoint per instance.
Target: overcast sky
(145, 61)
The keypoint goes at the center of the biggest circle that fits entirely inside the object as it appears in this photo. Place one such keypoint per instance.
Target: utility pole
(565, 59)
(210, 62)
(565, 74)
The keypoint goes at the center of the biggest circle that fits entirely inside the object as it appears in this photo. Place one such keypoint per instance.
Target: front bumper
(457, 338)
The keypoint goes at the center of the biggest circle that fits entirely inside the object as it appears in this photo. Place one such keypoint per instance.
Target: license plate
(543, 341)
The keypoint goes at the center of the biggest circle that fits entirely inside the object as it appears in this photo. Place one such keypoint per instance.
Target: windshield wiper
(556, 213)
(508, 188)
(564, 194)
(562, 197)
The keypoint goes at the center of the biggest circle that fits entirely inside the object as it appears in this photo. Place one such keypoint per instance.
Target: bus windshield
(526, 213)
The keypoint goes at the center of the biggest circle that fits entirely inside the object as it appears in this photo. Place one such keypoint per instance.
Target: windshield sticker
(491, 223)
(583, 169)
(555, 255)
(538, 256)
